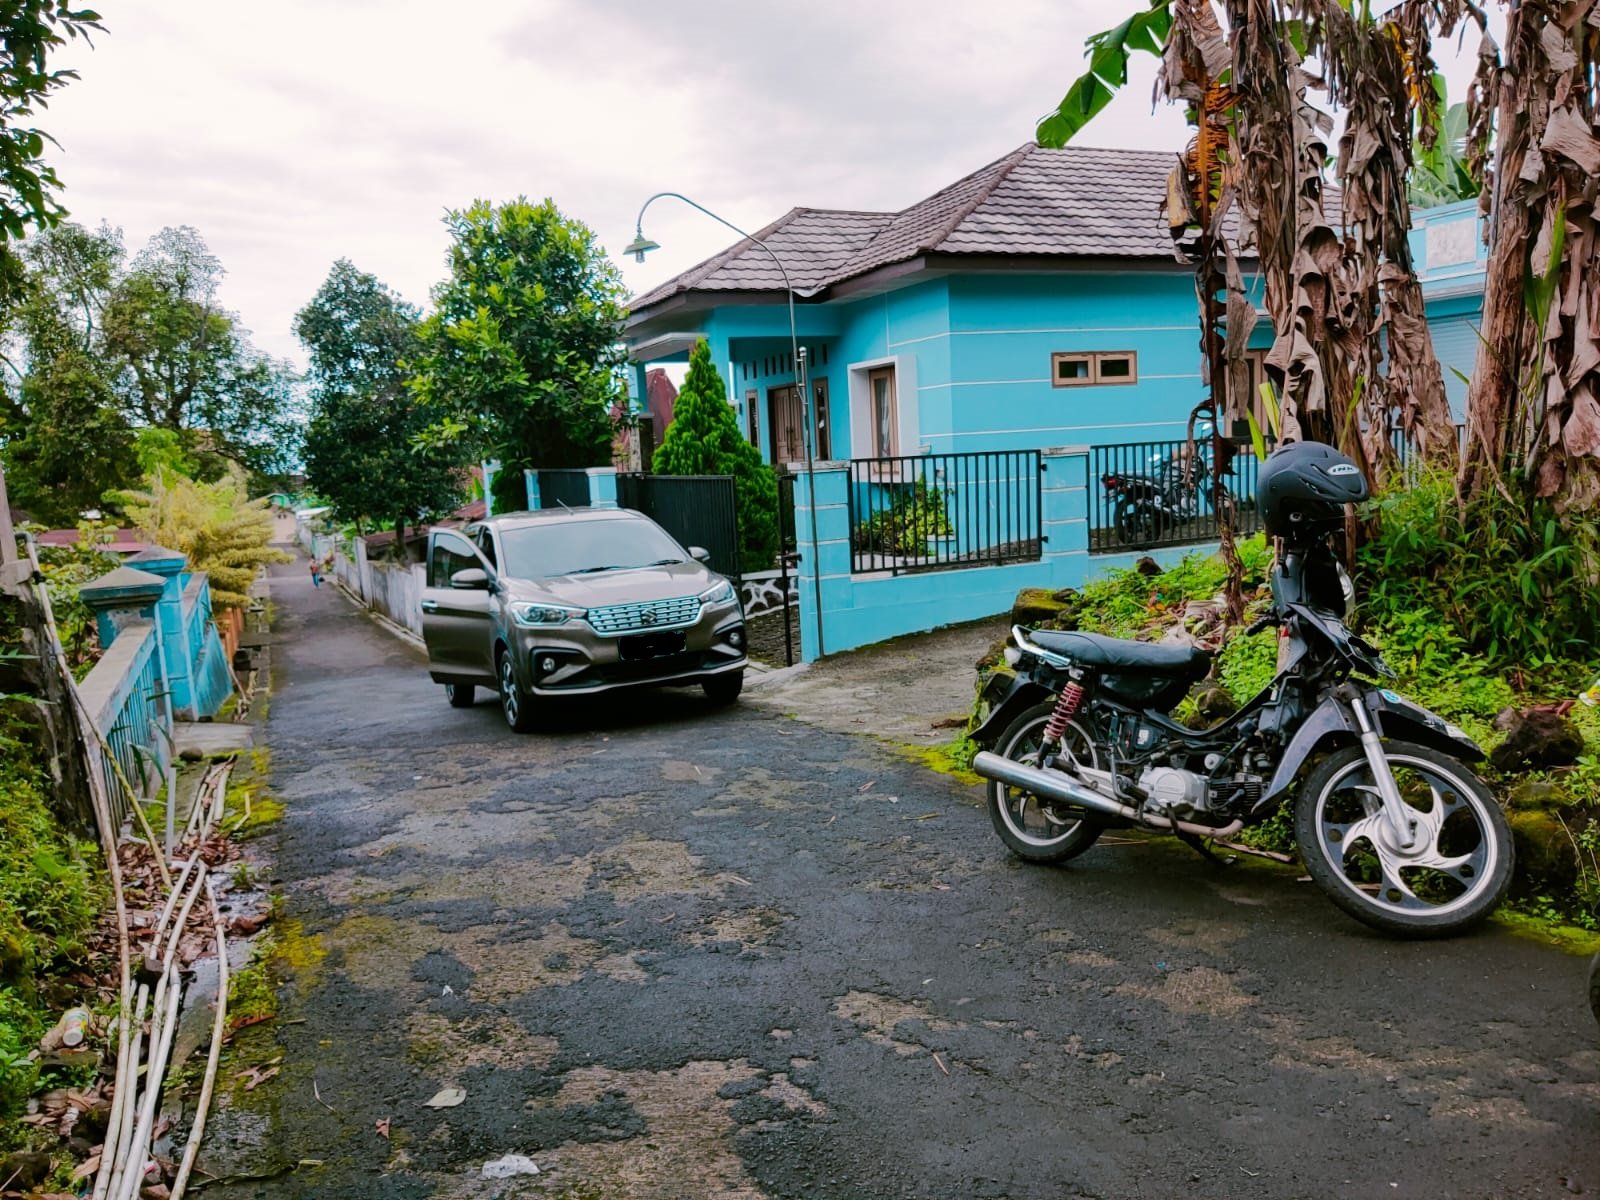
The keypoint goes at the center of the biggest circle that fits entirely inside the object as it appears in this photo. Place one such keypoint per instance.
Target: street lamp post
(639, 247)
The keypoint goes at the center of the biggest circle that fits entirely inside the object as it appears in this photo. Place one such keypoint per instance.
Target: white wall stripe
(1189, 327)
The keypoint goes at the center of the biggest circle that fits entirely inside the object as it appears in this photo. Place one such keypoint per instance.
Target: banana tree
(1350, 355)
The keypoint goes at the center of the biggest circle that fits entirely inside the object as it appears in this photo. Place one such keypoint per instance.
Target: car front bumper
(574, 660)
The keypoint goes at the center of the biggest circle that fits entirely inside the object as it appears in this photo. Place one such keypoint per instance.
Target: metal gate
(564, 488)
(698, 510)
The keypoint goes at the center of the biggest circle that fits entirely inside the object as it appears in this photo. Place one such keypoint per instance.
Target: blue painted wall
(972, 351)
(1448, 250)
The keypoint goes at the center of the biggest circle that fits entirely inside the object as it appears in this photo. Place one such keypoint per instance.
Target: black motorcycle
(1389, 818)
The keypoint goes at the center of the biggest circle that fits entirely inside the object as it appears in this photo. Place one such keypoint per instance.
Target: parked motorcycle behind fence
(1155, 504)
(1390, 820)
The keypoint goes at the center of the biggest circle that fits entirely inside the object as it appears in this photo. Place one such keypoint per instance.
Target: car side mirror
(700, 554)
(472, 579)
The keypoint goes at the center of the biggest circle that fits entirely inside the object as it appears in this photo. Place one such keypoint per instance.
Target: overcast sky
(291, 134)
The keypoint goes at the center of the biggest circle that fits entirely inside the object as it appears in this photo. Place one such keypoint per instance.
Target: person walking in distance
(316, 572)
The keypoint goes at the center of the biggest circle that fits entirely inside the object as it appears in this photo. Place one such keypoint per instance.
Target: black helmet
(1303, 487)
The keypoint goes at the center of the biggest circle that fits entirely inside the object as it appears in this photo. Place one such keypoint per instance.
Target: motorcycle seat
(1117, 654)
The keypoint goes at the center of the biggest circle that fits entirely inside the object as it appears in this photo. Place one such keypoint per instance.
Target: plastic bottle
(74, 1025)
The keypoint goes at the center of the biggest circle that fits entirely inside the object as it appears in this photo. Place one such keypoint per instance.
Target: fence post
(824, 575)
(602, 487)
(1065, 514)
(169, 565)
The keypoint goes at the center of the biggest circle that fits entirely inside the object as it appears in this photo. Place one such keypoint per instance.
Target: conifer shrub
(704, 439)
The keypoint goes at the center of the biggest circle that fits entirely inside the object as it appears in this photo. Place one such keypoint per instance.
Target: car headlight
(545, 614)
(719, 593)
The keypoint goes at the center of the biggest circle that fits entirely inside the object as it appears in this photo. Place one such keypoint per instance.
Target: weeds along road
(671, 951)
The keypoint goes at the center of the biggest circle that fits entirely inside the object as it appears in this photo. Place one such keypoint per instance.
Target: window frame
(874, 429)
(1095, 377)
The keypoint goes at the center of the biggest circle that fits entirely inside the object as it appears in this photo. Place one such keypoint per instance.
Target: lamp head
(640, 246)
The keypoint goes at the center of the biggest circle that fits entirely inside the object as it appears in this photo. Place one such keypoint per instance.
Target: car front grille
(653, 614)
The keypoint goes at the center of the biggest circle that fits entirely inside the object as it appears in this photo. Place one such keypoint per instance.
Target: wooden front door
(787, 420)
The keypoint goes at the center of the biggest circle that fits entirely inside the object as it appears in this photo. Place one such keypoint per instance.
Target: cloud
(295, 133)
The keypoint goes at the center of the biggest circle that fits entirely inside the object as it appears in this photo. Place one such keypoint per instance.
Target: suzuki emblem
(647, 617)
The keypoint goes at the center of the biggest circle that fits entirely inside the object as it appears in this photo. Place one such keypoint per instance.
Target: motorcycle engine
(1174, 792)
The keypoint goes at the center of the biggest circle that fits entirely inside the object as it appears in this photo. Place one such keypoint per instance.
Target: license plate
(639, 647)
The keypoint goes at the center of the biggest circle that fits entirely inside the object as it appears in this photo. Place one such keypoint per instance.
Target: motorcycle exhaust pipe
(1053, 785)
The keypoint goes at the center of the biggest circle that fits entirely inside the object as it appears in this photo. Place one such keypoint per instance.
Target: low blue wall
(858, 610)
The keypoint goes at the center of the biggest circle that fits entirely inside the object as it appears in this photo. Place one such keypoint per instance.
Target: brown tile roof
(1079, 201)
(813, 243)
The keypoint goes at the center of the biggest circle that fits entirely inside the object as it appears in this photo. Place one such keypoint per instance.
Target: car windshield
(585, 547)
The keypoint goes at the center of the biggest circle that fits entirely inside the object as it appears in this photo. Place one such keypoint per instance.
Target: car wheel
(516, 704)
(460, 695)
(723, 689)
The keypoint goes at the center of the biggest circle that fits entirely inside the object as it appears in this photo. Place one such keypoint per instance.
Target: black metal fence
(563, 488)
(944, 511)
(698, 510)
(1148, 494)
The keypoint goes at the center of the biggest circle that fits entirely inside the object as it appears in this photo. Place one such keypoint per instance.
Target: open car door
(456, 622)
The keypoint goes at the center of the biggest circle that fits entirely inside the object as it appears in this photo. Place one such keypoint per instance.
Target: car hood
(616, 587)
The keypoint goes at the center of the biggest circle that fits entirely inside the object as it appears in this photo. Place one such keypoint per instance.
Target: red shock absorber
(1066, 707)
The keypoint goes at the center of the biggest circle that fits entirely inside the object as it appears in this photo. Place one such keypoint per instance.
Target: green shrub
(915, 514)
(49, 896)
(1514, 585)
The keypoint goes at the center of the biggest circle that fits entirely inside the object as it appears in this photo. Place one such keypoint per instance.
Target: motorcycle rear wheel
(1037, 831)
(1451, 878)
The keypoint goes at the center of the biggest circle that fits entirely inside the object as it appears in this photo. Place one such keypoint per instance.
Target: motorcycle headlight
(718, 593)
(545, 614)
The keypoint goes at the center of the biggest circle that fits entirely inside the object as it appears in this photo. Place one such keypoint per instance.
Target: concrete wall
(860, 609)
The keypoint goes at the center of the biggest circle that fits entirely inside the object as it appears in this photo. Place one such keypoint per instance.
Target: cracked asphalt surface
(673, 951)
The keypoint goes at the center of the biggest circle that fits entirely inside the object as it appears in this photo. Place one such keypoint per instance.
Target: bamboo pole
(219, 1029)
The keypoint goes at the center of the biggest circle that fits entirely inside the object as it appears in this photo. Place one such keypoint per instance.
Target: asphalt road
(670, 951)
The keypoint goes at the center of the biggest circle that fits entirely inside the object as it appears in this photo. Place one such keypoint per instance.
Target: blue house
(982, 365)
(1036, 302)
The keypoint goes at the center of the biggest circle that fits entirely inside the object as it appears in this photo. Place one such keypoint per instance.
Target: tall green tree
(63, 436)
(524, 343)
(363, 447)
(184, 364)
(704, 439)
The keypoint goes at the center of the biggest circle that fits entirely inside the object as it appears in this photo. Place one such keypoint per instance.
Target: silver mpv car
(576, 601)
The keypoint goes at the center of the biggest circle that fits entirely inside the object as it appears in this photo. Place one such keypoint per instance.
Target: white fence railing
(393, 589)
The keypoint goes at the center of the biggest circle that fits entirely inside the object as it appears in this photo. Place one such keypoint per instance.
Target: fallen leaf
(446, 1098)
(382, 1127)
(255, 1076)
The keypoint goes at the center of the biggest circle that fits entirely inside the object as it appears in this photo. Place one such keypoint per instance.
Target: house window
(753, 416)
(1102, 367)
(882, 411)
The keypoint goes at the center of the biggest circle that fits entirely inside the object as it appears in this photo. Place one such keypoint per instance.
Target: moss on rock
(1041, 606)
(1545, 856)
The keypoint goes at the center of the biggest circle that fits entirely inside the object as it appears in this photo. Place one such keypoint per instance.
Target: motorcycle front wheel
(1036, 830)
(1456, 867)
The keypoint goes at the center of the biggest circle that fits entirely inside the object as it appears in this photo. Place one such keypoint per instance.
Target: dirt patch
(450, 1046)
(878, 1017)
(506, 966)
(749, 926)
(677, 771)
(686, 1149)
(647, 866)
(1193, 990)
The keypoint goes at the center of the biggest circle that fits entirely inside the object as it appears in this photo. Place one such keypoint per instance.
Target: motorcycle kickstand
(1203, 848)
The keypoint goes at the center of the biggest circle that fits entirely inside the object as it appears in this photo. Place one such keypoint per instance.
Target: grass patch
(51, 889)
